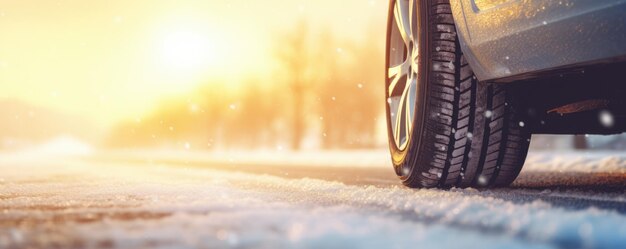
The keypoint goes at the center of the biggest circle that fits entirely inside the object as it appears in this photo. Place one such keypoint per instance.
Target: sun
(185, 51)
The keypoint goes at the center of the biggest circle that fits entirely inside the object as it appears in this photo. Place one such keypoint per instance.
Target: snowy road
(325, 200)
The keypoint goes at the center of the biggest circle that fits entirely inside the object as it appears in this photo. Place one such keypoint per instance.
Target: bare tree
(292, 51)
(348, 88)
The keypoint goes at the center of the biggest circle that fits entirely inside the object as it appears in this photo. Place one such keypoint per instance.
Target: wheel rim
(402, 71)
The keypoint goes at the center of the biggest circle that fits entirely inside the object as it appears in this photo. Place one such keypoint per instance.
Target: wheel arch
(459, 7)
(507, 40)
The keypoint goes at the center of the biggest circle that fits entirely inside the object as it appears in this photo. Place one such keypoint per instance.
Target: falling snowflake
(359, 85)
(488, 114)
(193, 108)
(521, 124)
(470, 135)
(482, 180)
(405, 170)
(606, 119)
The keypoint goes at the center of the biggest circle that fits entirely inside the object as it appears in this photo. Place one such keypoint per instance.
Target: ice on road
(566, 200)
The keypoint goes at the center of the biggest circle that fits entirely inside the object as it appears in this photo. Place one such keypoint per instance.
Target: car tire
(445, 128)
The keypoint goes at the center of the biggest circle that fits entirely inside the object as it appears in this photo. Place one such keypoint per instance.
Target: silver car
(469, 81)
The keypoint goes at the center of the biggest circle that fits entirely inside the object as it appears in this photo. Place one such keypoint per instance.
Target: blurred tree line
(326, 93)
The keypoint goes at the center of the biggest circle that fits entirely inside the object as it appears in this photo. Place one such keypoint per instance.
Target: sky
(109, 60)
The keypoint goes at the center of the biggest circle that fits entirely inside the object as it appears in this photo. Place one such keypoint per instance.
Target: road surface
(317, 200)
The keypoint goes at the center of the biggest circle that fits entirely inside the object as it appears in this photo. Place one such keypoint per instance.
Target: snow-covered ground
(261, 200)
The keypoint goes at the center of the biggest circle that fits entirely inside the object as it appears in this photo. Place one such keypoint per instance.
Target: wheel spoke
(395, 74)
(410, 92)
(412, 19)
(402, 15)
(398, 130)
(402, 116)
(413, 27)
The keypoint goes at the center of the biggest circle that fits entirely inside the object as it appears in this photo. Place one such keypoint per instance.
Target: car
(469, 81)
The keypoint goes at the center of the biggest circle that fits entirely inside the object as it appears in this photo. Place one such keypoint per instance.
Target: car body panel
(509, 38)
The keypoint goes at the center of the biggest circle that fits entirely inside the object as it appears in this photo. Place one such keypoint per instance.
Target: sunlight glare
(185, 51)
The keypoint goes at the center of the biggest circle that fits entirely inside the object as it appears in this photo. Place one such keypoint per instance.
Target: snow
(58, 146)
(276, 156)
(576, 161)
(93, 203)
